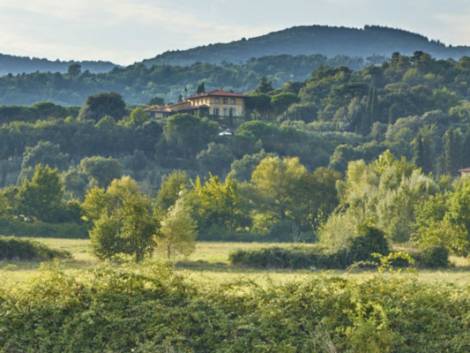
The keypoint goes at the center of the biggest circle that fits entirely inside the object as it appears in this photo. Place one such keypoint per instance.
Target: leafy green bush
(362, 248)
(433, 257)
(397, 259)
(370, 241)
(26, 250)
(155, 311)
(283, 258)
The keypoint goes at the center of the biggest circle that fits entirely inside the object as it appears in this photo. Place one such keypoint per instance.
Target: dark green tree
(41, 197)
(103, 104)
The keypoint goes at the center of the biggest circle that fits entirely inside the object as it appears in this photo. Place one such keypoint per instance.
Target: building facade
(218, 103)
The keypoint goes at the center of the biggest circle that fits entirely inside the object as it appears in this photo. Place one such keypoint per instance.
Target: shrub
(27, 250)
(370, 241)
(120, 311)
(398, 259)
(41, 229)
(285, 258)
(433, 257)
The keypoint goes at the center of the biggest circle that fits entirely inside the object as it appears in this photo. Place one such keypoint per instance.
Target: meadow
(209, 264)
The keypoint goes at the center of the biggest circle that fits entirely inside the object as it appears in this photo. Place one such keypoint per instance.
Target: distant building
(465, 172)
(218, 103)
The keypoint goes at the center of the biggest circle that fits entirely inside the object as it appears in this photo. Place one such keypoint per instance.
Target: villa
(218, 103)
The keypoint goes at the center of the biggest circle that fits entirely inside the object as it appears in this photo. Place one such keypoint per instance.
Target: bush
(120, 311)
(284, 258)
(369, 242)
(41, 229)
(433, 257)
(26, 250)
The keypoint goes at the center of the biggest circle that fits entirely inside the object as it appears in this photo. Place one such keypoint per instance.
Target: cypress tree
(452, 154)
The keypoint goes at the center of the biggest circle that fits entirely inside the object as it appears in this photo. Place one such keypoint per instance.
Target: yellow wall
(222, 104)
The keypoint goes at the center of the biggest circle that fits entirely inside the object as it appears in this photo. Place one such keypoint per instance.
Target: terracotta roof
(218, 93)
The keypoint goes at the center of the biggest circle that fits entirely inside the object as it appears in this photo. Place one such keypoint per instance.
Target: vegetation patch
(27, 250)
(155, 311)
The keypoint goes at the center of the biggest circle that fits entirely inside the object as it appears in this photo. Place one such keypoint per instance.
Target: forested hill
(11, 64)
(306, 40)
(139, 83)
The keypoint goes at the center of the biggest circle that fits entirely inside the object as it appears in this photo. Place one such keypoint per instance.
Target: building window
(233, 101)
(216, 111)
(231, 112)
(225, 100)
(225, 111)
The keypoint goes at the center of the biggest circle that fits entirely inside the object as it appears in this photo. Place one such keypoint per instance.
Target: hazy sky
(125, 31)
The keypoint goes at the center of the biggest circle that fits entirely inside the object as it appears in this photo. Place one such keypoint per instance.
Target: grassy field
(210, 264)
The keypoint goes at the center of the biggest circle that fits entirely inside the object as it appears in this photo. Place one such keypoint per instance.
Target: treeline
(139, 83)
(12, 64)
(415, 107)
(375, 205)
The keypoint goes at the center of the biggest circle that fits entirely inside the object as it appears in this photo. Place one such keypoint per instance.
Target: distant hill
(307, 40)
(11, 64)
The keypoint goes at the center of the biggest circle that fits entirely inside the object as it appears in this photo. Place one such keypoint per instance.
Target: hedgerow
(119, 311)
(28, 250)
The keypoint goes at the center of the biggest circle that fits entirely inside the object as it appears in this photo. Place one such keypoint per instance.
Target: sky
(126, 31)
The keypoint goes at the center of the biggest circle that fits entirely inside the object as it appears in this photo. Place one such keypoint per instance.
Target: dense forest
(281, 170)
(307, 40)
(11, 64)
(138, 83)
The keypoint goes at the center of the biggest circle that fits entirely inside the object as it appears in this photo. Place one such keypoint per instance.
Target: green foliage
(41, 197)
(103, 104)
(188, 134)
(27, 250)
(122, 220)
(369, 241)
(173, 185)
(63, 313)
(178, 230)
(101, 170)
(433, 257)
(23, 228)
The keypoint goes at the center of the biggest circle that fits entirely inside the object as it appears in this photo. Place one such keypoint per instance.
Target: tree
(45, 153)
(452, 154)
(188, 134)
(422, 154)
(41, 197)
(74, 70)
(137, 117)
(102, 170)
(171, 189)
(156, 101)
(103, 104)
(178, 230)
(201, 88)
(276, 183)
(265, 86)
(122, 220)
(217, 205)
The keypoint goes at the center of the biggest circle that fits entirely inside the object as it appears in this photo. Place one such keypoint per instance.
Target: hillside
(138, 83)
(11, 64)
(307, 40)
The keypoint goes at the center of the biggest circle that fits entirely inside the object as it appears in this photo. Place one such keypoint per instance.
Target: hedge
(117, 311)
(42, 229)
(27, 250)
(305, 258)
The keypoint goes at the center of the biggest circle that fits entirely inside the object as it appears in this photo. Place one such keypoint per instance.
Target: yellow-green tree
(122, 220)
(178, 230)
